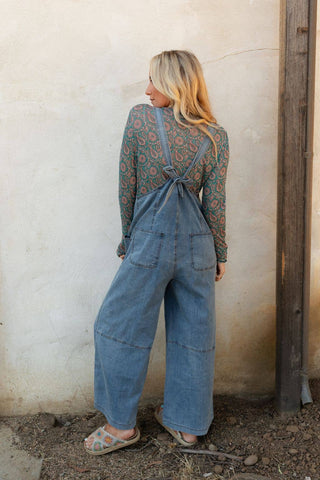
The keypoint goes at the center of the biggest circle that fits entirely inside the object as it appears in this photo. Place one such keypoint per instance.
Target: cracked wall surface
(70, 73)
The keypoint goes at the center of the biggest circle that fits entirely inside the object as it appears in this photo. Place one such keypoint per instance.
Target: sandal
(104, 442)
(175, 433)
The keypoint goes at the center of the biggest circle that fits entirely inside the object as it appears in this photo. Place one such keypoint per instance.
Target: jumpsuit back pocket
(203, 255)
(145, 248)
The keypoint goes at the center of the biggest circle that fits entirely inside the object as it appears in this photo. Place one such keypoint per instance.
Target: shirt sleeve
(214, 199)
(127, 179)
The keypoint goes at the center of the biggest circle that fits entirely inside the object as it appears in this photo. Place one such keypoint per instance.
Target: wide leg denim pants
(170, 255)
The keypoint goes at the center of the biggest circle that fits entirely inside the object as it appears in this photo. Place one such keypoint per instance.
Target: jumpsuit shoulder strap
(165, 144)
(201, 151)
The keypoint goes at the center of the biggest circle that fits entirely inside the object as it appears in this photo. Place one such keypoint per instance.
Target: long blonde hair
(178, 75)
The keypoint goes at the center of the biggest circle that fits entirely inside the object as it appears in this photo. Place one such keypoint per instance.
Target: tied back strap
(177, 180)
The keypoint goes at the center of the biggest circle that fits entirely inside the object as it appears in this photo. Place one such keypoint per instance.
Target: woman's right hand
(121, 256)
(221, 268)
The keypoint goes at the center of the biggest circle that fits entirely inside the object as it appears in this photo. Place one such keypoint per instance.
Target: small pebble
(265, 460)
(232, 420)
(212, 447)
(292, 428)
(251, 460)
(307, 436)
(162, 437)
(48, 419)
(218, 469)
(293, 451)
(221, 458)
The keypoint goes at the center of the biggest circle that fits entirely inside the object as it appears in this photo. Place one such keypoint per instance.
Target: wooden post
(297, 58)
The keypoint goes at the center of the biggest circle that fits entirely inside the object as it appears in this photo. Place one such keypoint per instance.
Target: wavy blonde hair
(178, 75)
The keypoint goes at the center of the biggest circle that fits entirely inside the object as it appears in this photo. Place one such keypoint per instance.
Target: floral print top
(141, 162)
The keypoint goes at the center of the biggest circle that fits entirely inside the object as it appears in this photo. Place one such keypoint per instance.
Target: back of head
(178, 75)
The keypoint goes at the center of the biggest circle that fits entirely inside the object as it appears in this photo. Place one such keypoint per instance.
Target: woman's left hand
(221, 268)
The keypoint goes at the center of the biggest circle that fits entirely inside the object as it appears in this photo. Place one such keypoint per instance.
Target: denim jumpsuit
(170, 255)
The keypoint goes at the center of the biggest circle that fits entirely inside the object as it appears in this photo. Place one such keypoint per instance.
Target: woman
(173, 248)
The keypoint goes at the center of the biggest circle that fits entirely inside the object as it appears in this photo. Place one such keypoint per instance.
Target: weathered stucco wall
(70, 72)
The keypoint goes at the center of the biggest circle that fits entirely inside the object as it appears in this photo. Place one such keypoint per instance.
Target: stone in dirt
(232, 420)
(163, 437)
(48, 420)
(221, 458)
(293, 451)
(218, 469)
(292, 428)
(16, 464)
(212, 447)
(251, 460)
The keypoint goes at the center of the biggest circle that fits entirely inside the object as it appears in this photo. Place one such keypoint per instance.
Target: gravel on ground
(247, 440)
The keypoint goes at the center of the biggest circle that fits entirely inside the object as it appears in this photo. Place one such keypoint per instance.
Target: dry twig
(209, 452)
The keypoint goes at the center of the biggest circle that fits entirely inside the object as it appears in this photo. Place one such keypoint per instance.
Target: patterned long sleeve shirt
(142, 162)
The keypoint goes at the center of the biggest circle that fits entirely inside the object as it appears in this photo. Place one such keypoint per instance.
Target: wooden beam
(294, 198)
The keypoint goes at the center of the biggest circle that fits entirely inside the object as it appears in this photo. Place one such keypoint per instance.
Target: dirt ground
(279, 448)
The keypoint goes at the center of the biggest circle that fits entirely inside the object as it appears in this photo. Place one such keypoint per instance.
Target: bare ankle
(188, 437)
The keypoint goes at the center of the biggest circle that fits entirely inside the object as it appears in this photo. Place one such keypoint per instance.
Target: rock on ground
(16, 464)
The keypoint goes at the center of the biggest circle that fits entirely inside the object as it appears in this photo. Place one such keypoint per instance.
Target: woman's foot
(188, 437)
(185, 439)
(107, 439)
(121, 434)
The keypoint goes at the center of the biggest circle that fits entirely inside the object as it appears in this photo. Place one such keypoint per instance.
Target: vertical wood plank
(293, 180)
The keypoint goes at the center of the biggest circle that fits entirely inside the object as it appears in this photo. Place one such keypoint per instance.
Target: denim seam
(122, 342)
(191, 348)
(175, 251)
(153, 216)
(160, 234)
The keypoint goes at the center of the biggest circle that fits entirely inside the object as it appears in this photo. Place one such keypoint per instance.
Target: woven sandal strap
(101, 439)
